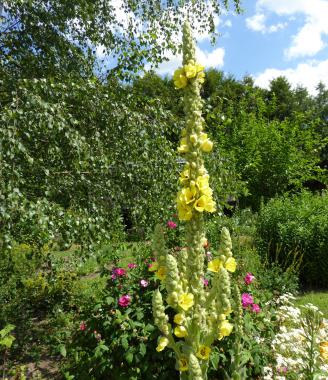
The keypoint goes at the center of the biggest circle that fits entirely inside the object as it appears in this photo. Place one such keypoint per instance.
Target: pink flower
(124, 301)
(171, 224)
(249, 278)
(246, 300)
(113, 277)
(144, 283)
(256, 308)
(132, 265)
(205, 281)
(119, 271)
(83, 326)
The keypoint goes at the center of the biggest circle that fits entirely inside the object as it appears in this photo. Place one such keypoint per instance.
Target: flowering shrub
(115, 338)
(299, 346)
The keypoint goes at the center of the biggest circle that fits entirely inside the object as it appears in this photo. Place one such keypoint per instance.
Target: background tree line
(84, 158)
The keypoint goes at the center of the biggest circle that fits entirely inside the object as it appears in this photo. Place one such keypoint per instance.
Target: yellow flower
(201, 77)
(183, 364)
(187, 195)
(206, 146)
(180, 331)
(199, 67)
(183, 148)
(162, 343)
(215, 265)
(323, 348)
(225, 329)
(153, 267)
(186, 300)
(179, 318)
(179, 78)
(193, 138)
(184, 176)
(190, 70)
(184, 211)
(161, 273)
(230, 265)
(203, 352)
(205, 203)
(203, 185)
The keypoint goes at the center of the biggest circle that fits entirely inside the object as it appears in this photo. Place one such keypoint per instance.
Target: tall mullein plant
(200, 312)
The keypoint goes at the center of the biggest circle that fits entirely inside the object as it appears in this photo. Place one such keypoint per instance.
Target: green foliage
(119, 342)
(39, 39)
(297, 223)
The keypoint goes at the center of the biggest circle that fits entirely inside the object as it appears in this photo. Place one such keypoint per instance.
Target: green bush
(295, 228)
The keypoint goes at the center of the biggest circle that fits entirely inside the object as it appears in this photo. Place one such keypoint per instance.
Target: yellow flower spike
(230, 265)
(225, 329)
(180, 332)
(153, 267)
(162, 343)
(186, 301)
(190, 70)
(161, 273)
(179, 78)
(215, 265)
(203, 352)
(183, 364)
(179, 318)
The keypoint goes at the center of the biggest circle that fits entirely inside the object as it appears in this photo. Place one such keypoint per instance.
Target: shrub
(292, 227)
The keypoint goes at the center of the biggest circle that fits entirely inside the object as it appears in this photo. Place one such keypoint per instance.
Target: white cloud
(306, 74)
(309, 39)
(257, 23)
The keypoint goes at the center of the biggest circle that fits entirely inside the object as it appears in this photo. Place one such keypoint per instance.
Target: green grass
(319, 299)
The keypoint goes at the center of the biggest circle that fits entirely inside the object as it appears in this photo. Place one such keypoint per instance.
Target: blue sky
(271, 38)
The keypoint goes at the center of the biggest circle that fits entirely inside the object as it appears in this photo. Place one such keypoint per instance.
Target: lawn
(319, 299)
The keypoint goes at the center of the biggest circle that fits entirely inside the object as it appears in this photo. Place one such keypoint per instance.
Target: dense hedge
(295, 227)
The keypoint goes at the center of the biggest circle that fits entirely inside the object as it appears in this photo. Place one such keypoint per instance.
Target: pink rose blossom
(119, 272)
(247, 300)
(256, 308)
(249, 278)
(83, 326)
(124, 301)
(144, 283)
(132, 265)
(171, 224)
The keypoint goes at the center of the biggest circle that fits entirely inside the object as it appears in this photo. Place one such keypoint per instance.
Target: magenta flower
(132, 265)
(113, 277)
(124, 301)
(119, 272)
(256, 308)
(249, 278)
(205, 281)
(247, 300)
(144, 283)
(83, 326)
(171, 224)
